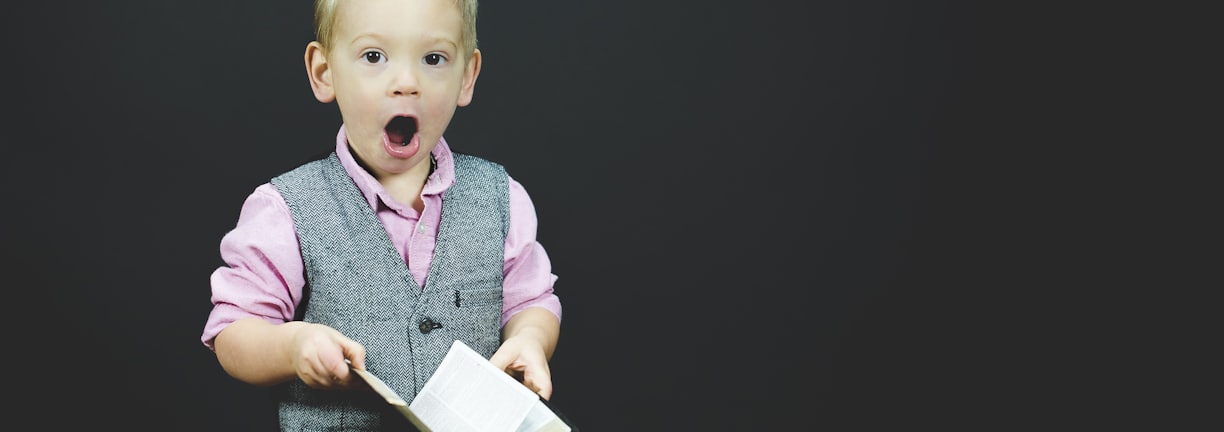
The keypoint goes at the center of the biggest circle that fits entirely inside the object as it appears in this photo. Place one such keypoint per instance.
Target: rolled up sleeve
(263, 275)
(528, 279)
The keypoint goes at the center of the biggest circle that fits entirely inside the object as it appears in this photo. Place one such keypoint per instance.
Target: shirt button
(427, 325)
(420, 228)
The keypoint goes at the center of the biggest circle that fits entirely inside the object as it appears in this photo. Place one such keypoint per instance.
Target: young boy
(392, 246)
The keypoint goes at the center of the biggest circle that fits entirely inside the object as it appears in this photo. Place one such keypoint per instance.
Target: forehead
(435, 18)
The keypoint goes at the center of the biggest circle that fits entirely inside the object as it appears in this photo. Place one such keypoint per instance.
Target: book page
(542, 419)
(467, 393)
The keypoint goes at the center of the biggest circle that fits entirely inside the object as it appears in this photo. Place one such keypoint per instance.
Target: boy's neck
(409, 193)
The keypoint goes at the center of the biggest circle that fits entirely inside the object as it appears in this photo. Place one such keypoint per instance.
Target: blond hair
(325, 21)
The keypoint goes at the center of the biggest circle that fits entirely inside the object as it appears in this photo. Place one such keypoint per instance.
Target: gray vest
(358, 284)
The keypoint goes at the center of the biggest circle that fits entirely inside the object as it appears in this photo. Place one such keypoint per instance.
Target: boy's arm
(532, 311)
(262, 353)
(249, 327)
(529, 339)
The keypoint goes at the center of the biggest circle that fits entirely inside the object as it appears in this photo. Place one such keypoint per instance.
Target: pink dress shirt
(263, 275)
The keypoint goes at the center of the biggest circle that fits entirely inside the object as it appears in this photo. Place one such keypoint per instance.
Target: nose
(404, 81)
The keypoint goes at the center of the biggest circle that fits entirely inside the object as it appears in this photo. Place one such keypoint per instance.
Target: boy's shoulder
(312, 166)
(315, 158)
(461, 155)
(468, 162)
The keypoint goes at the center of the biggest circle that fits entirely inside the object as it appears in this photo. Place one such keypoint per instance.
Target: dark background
(848, 215)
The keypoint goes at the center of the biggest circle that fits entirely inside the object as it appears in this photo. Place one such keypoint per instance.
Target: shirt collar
(373, 191)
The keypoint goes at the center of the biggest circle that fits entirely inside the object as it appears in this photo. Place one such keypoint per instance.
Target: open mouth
(401, 129)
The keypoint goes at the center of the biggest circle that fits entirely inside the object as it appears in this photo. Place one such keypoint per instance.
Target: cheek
(442, 114)
(442, 108)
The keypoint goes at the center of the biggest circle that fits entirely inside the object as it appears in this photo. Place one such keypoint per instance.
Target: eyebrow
(442, 39)
(430, 40)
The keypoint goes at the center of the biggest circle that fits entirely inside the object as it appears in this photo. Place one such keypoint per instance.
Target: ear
(469, 79)
(319, 73)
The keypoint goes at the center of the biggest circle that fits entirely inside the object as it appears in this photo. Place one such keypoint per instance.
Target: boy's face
(397, 71)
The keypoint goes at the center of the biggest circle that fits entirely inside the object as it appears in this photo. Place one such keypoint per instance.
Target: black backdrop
(763, 217)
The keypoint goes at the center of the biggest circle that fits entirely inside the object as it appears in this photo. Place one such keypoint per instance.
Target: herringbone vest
(357, 283)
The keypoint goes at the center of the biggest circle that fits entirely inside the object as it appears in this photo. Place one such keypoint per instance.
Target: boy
(392, 246)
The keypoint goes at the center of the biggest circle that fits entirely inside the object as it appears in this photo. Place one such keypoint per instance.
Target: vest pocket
(478, 318)
(472, 298)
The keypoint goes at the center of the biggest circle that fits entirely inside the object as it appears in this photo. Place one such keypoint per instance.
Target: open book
(469, 394)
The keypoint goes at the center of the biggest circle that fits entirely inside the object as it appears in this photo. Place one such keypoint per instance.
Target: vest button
(427, 325)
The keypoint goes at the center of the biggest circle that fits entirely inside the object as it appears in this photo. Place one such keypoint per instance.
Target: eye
(372, 57)
(434, 59)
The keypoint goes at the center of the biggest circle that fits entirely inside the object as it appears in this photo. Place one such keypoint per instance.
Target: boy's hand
(524, 359)
(318, 357)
